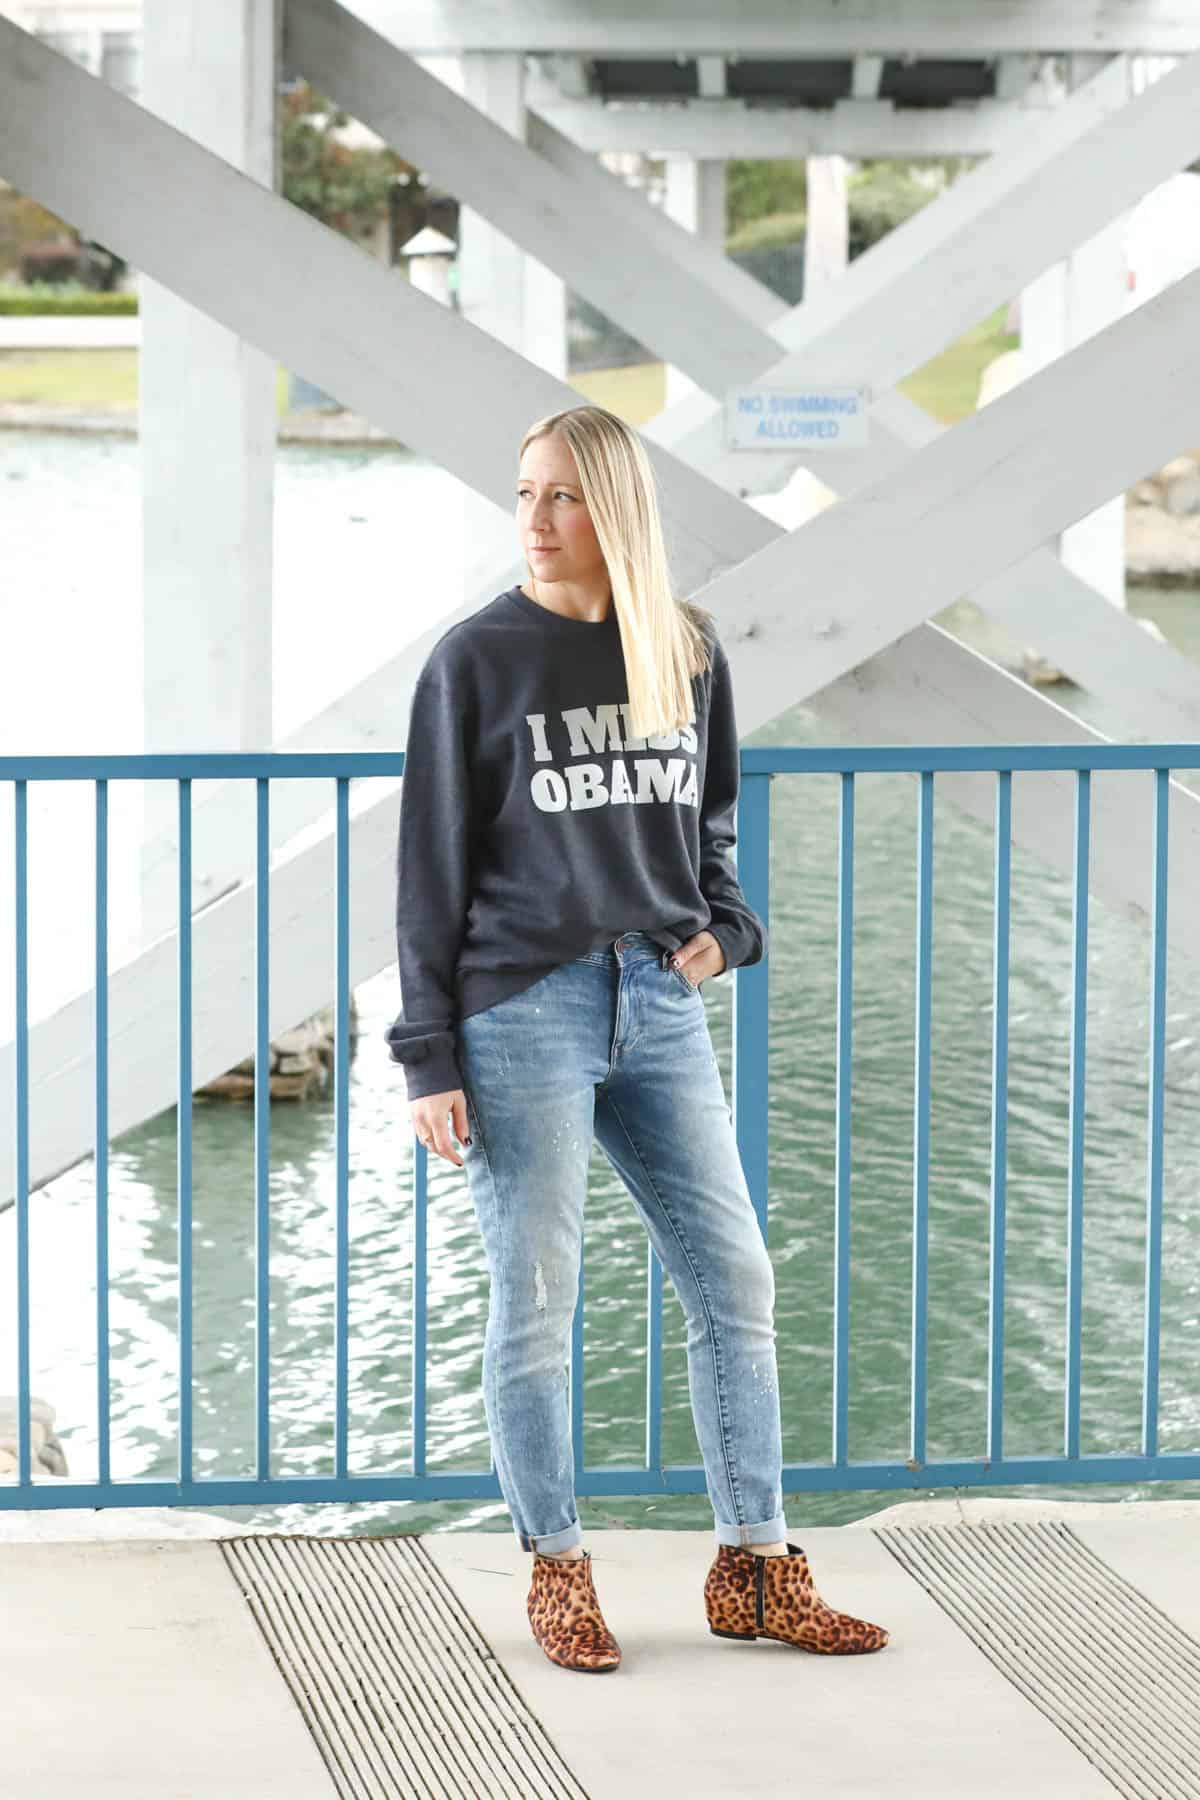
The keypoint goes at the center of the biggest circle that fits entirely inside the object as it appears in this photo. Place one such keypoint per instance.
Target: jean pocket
(679, 975)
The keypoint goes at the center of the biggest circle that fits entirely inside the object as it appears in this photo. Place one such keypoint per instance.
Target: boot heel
(741, 1637)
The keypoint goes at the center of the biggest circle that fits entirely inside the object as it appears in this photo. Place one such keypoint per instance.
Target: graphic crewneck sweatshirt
(535, 826)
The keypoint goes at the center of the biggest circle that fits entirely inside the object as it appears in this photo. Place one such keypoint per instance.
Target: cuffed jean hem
(556, 1540)
(771, 1531)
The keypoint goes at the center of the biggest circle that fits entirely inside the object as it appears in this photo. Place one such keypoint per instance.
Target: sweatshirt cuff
(740, 943)
(430, 1064)
(730, 940)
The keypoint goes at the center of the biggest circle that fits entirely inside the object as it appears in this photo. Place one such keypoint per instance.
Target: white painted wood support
(1062, 306)
(206, 406)
(711, 77)
(546, 194)
(1014, 76)
(568, 74)
(853, 128)
(942, 238)
(827, 223)
(956, 513)
(695, 200)
(950, 263)
(866, 76)
(925, 28)
(612, 206)
(502, 289)
(1043, 453)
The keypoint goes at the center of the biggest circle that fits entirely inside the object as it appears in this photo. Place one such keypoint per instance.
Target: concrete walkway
(1037, 1649)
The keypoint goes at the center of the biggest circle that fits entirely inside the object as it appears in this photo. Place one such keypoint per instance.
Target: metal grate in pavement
(401, 1691)
(1117, 1677)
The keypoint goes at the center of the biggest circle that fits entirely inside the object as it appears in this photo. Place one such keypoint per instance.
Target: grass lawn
(97, 380)
(634, 394)
(82, 380)
(79, 379)
(948, 387)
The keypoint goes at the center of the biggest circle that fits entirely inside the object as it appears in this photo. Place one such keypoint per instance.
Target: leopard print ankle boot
(565, 1614)
(748, 1596)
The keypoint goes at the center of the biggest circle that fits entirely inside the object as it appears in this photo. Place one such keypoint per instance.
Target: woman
(565, 889)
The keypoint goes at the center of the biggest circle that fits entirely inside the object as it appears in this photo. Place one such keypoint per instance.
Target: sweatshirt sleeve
(734, 923)
(433, 874)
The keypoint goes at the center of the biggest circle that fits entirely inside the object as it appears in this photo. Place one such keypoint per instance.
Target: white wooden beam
(826, 223)
(948, 265)
(1062, 306)
(866, 77)
(126, 191)
(1153, 687)
(1110, 654)
(955, 695)
(502, 288)
(528, 199)
(710, 77)
(568, 74)
(857, 128)
(952, 519)
(969, 504)
(927, 679)
(1015, 76)
(616, 210)
(694, 197)
(930, 28)
(207, 469)
(860, 267)
(1014, 203)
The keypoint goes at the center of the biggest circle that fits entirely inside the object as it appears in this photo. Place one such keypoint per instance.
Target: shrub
(38, 298)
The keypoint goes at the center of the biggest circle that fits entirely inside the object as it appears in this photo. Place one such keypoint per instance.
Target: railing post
(751, 995)
(101, 1132)
(262, 1131)
(21, 921)
(1154, 1128)
(183, 1130)
(842, 1151)
(341, 1128)
(920, 1235)
(1001, 929)
(1077, 1113)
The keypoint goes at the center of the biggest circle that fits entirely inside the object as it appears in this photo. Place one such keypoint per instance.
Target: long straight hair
(665, 641)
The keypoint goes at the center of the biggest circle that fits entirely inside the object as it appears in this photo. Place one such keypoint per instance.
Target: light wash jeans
(616, 1043)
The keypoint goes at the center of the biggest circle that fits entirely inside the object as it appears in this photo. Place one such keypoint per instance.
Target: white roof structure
(836, 613)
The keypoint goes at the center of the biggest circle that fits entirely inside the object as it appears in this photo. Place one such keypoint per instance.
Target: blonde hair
(665, 642)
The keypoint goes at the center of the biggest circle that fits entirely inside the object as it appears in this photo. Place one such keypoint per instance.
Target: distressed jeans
(616, 1044)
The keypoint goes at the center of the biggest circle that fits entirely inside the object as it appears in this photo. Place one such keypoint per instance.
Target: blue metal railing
(750, 1091)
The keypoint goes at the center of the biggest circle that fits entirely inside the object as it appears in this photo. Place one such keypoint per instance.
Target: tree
(343, 186)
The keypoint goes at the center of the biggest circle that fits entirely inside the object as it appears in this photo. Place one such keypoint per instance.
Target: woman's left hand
(700, 957)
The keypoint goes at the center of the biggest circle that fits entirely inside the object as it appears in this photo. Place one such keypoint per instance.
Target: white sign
(826, 418)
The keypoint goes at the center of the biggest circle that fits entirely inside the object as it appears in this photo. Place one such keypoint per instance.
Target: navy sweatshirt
(534, 826)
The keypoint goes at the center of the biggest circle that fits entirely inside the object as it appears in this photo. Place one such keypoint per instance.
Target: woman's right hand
(429, 1115)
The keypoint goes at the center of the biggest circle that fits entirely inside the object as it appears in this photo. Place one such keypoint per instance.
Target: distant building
(103, 36)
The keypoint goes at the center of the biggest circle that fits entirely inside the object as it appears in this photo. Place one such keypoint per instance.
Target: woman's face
(553, 522)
